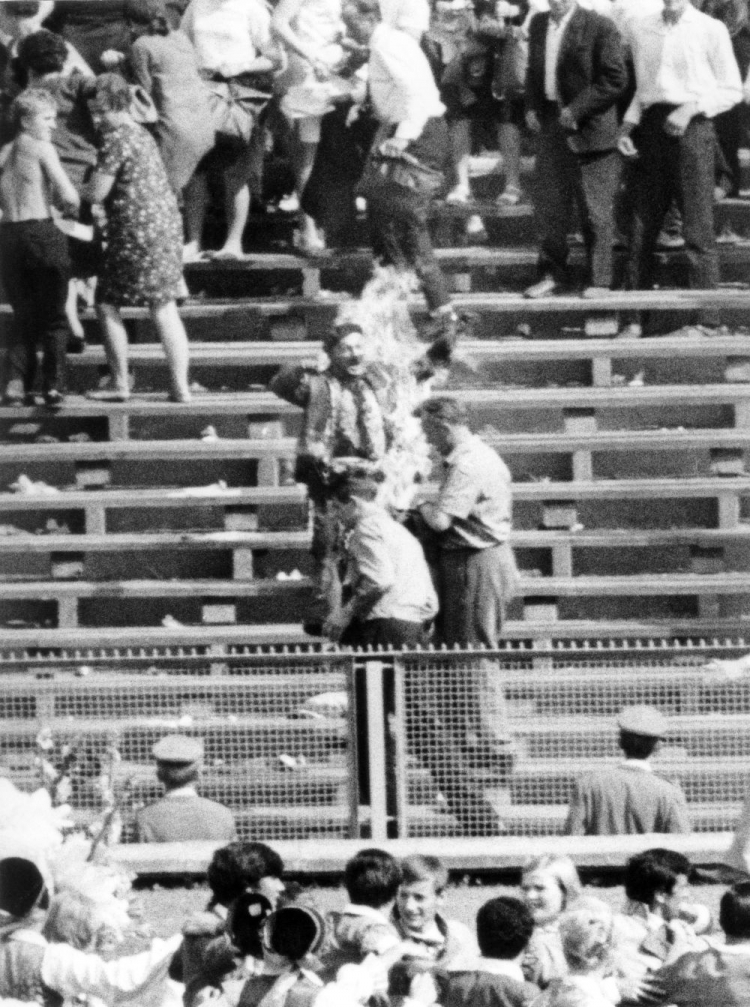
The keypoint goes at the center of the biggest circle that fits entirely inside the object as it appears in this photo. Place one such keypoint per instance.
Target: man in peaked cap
(630, 798)
(182, 815)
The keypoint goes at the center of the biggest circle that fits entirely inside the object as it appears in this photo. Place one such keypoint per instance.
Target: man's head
(345, 345)
(674, 9)
(444, 421)
(244, 867)
(352, 491)
(641, 730)
(504, 928)
(371, 878)
(734, 912)
(361, 18)
(559, 8)
(178, 760)
(22, 886)
(42, 52)
(420, 894)
(658, 878)
(34, 112)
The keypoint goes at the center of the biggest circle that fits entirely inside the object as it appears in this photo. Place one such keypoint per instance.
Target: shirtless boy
(34, 261)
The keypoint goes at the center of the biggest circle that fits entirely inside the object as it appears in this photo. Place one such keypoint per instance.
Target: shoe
(511, 196)
(475, 230)
(53, 398)
(727, 236)
(634, 330)
(14, 393)
(108, 395)
(667, 240)
(546, 287)
(594, 293)
(459, 195)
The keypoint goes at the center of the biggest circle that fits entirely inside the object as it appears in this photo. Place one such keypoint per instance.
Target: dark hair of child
(654, 872)
(504, 927)
(372, 878)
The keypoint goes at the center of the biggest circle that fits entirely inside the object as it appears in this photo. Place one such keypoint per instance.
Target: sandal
(459, 195)
(511, 196)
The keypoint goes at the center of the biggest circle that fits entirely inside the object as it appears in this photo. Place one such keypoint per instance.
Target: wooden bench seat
(28, 644)
(503, 398)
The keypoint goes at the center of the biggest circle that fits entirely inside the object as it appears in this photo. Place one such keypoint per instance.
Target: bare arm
(60, 182)
(140, 67)
(98, 187)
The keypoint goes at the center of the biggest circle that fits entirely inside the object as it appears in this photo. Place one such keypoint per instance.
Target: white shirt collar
(563, 22)
(368, 911)
(641, 764)
(187, 791)
(500, 967)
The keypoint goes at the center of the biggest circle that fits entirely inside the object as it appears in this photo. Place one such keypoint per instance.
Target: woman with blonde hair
(586, 935)
(549, 886)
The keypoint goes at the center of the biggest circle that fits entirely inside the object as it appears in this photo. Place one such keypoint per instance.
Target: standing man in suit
(181, 814)
(630, 798)
(576, 74)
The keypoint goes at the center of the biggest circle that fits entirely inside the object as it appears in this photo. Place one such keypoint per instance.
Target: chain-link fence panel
(275, 731)
(491, 744)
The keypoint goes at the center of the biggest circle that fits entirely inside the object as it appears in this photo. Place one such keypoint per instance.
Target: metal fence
(480, 743)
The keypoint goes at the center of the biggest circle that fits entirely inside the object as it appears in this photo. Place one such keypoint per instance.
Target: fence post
(399, 747)
(353, 781)
(376, 741)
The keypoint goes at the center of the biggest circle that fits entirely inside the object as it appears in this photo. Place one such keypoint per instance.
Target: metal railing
(458, 743)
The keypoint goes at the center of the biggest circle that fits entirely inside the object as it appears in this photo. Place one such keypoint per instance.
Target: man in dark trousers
(630, 798)
(685, 76)
(182, 815)
(576, 73)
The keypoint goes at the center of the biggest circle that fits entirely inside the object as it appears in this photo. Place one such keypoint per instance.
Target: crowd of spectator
(263, 941)
(634, 109)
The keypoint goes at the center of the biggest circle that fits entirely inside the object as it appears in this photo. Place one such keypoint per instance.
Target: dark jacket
(591, 75)
(185, 819)
(484, 989)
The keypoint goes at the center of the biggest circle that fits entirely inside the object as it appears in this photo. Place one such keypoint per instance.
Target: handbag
(397, 176)
(236, 107)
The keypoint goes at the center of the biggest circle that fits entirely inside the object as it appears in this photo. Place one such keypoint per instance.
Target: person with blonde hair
(586, 936)
(549, 886)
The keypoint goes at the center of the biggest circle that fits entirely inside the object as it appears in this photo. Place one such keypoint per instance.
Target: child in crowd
(719, 974)
(656, 883)
(207, 954)
(36, 971)
(586, 933)
(549, 885)
(371, 878)
(504, 928)
(417, 914)
(34, 260)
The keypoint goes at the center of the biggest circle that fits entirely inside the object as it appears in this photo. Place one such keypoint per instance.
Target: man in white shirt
(392, 599)
(685, 75)
(412, 141)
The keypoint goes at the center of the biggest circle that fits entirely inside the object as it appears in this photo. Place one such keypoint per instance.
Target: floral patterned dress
(143, 258)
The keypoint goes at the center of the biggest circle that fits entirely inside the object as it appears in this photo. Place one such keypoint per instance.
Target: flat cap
(644, 720)
(178, 748)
